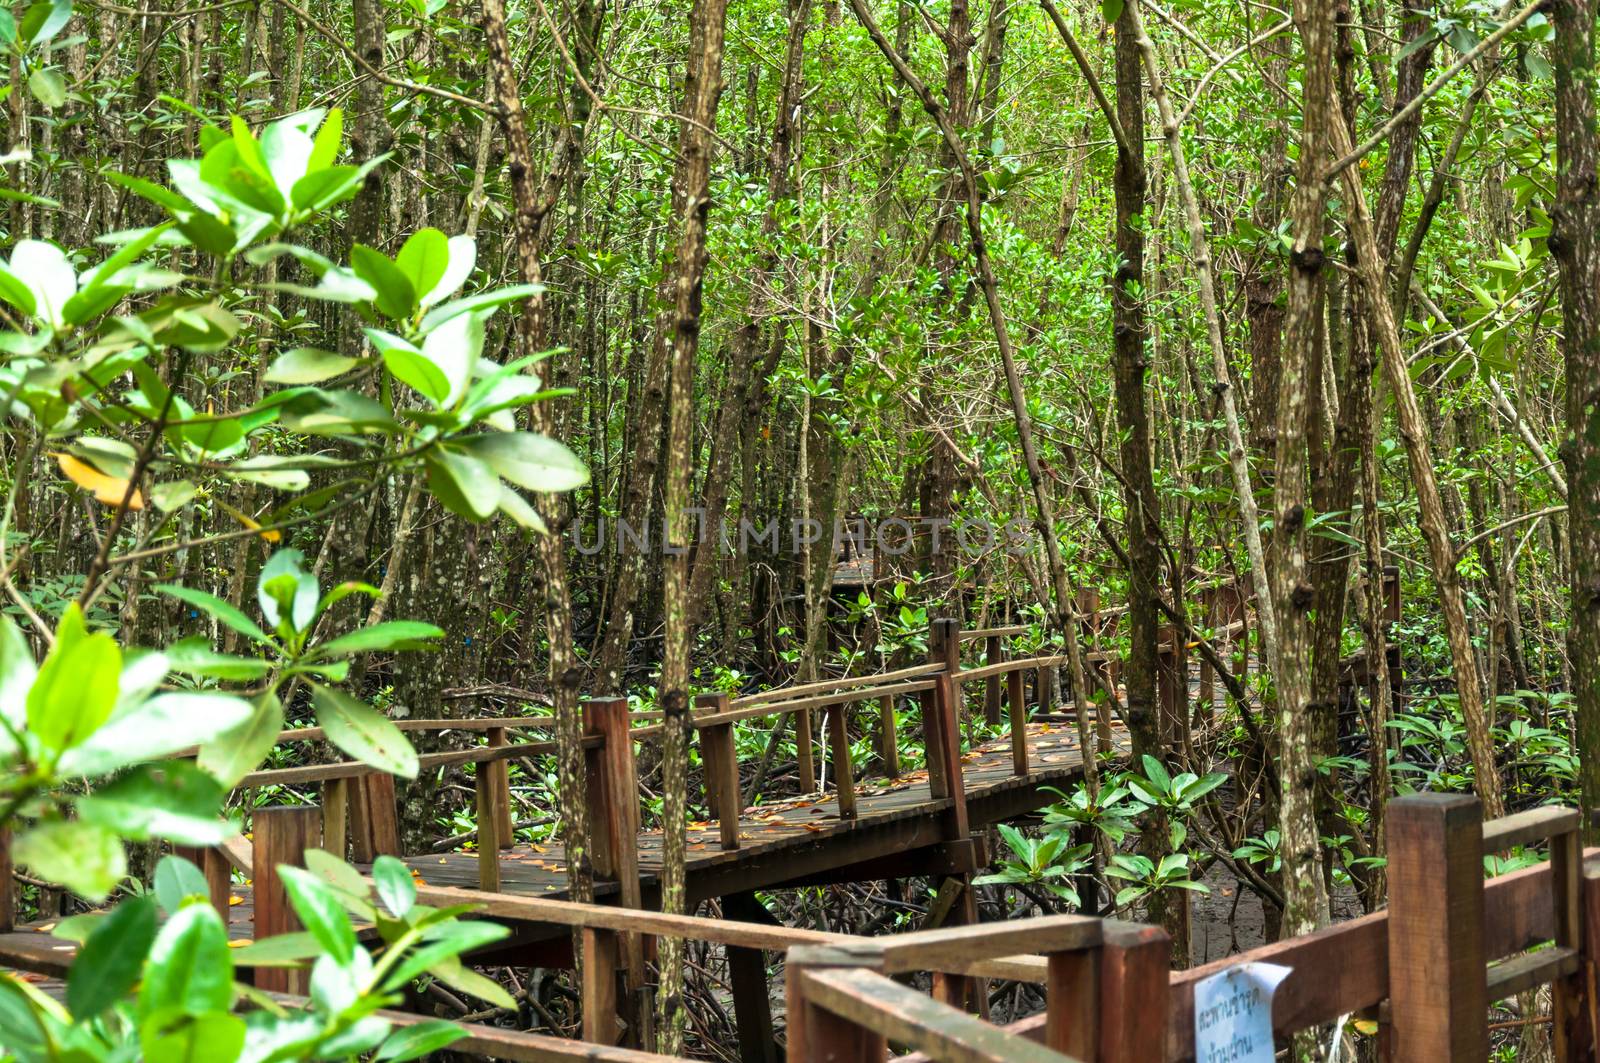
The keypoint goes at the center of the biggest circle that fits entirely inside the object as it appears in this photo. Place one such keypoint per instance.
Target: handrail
(779, 694)
(901, 1014)
(350, 769)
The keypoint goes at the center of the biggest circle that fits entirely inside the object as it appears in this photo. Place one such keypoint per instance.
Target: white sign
(1233, 1014)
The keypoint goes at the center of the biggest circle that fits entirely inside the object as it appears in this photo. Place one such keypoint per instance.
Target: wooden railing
(1425, 970)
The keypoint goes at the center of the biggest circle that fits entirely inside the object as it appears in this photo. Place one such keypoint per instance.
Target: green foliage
(172, 947)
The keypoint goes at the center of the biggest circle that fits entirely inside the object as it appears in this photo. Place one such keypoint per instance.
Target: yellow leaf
(1365, 1026)
(270, 535)
(239, 943)
(235, 899)
(107, 489)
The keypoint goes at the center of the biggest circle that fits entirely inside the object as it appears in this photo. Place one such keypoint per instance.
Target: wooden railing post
(280, 836)
(374, 825)
(1133, 982)
(816, 1035)
(721, 766)
(213, 864)
(805, 762)
(1018, 710)
(601, 969)
(335, 816)
(844, 780)
(613, 797)
(993, 653)
(1438, 982)
(1209, 605)
(613, 792)
(888, 738)
(944, 647)
(8, 893)
(488, 828)
(932, 744)
(1172, 685)
(948, 738)
(505, 824)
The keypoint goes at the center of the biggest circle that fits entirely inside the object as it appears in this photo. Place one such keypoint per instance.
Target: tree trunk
(702, 84)
(1575, 242)
(1305, 899)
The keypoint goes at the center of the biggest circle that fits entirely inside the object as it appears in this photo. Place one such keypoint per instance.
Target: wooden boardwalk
(803, 838)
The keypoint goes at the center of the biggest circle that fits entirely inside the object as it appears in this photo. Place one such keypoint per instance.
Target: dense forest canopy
(385, 361)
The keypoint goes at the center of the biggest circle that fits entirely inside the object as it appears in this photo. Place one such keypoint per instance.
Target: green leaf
(17, 674)
(440, 954)
(411, 367)
(454, 975)
(48, 273)
(282, 950)
(285, 586)
(214, 1037)
(482, 301)
(111, 960)
(1111, 10)
(14, 291)
(529, 460)
(85, 858)
(464, 485)
(178, 802)
(423, 259)
(396, 298)
(396, 888)
(48, 87)
(364, 734)
(76, 688)
(216, 607)
(172, 496)
(189, 971)
(389, 635)
(194, 656)
(454, 347)
(156, 728)
(414, 1042)
(325, 148)
(319, 909)
(308, 365)
(281, 472)
(176, 880)
(44, 20)
(463, 256)
(354, 892)
(235, 753)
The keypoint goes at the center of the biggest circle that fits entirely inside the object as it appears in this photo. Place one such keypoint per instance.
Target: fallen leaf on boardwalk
(45, 928)
(813, 826)
(235, 899)
(239, 943)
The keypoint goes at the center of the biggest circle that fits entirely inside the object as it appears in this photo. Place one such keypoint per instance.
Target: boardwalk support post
(280, 836)
(747, 973)
(1438, 981)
